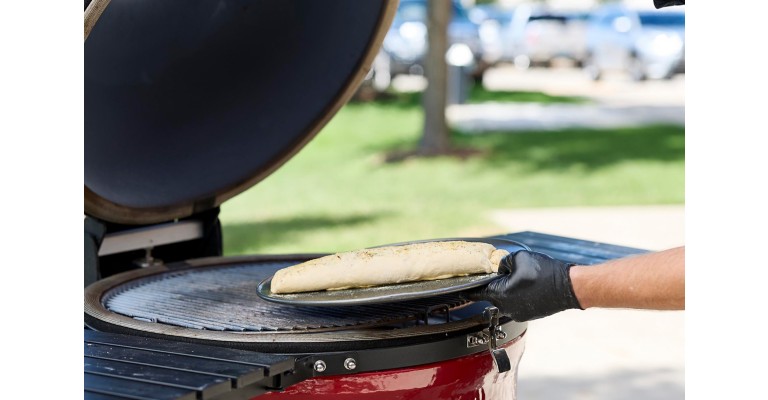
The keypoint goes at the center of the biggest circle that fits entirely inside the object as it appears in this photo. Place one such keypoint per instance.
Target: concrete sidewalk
(645, 227)
(615, 102)
(478, 118)
(604, 354)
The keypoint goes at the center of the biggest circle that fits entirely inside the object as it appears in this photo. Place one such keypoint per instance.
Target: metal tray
(391, 293)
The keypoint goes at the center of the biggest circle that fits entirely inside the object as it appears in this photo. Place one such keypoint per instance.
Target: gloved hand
(534, 285)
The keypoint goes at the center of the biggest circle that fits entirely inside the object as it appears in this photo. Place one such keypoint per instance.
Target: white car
(646, 44)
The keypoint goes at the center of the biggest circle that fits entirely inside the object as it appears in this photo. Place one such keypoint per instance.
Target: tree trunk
(435, 139)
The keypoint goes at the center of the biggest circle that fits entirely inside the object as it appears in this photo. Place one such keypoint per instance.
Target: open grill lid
(190, 104)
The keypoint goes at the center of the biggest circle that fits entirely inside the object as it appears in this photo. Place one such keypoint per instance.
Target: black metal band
(336, 363)
(668, 3)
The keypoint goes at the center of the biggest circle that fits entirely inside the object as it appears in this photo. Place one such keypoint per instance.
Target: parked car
(574, 41)
(405, 45)
(491, 20)
(536, 34)
(646, 44)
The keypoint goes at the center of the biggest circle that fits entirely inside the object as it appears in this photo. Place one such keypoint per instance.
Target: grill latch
(489, 337)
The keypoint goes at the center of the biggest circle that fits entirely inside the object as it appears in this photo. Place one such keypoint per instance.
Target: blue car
(646, 44)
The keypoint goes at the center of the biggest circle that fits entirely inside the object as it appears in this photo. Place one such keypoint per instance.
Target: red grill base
(471, 377)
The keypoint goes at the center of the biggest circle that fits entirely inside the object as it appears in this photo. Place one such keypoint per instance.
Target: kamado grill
(392, 346)
(188, 105)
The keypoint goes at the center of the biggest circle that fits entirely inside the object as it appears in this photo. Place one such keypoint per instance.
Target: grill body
(406, 350)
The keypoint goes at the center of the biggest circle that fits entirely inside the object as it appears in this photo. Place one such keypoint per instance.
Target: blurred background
(562, 117)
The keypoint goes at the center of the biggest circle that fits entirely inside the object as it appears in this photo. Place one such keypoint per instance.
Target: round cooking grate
(224, 298)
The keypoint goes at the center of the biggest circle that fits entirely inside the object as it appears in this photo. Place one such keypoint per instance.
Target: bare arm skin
(653, 281)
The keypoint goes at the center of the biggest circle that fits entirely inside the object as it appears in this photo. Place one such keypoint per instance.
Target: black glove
(534, 285)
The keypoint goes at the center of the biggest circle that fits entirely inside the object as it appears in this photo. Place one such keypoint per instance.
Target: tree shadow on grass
(586, 149)
(239, 238)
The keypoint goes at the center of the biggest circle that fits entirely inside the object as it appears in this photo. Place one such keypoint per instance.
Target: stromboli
(389, 265)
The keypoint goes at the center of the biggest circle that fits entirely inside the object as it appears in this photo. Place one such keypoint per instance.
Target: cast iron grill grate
(224, 299)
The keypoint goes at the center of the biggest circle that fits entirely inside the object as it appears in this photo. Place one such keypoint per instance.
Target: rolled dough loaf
(389, 265)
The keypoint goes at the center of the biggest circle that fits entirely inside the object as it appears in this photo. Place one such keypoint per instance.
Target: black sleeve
(668, 3)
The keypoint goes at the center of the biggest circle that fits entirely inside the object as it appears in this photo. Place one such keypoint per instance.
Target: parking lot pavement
(604, 354)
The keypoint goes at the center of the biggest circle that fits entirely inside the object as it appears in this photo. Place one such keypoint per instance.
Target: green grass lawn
(336, 194)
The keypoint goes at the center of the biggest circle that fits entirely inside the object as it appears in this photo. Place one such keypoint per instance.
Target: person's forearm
(649, 281)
